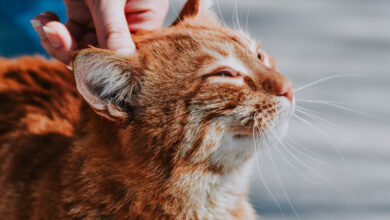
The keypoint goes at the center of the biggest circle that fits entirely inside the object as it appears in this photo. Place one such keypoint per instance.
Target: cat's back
(39, 105)
(36, 96)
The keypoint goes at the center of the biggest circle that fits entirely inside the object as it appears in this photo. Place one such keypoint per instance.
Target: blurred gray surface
(339, 170)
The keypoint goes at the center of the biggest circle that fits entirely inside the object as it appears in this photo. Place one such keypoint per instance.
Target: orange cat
(167, 133)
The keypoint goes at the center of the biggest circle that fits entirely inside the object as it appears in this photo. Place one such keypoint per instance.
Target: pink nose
(278, 85)
(287, 92)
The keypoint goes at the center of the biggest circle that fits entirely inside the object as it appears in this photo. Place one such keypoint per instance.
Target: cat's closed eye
(223, 72)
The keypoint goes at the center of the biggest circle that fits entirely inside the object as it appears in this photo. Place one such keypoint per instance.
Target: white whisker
(247, 19)
(293, 167)
(305, 165)
(322, 133)
(220, 12)
(322, 80)
(281, 182)
(344, 106)
(255, 126)
(306, 154)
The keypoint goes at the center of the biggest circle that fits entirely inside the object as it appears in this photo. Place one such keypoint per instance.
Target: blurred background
(335, 162)
(17, 37)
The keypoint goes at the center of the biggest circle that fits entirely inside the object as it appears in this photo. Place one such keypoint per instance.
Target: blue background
(17, 37)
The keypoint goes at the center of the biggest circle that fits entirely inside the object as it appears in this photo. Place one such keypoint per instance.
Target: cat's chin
(278, 132)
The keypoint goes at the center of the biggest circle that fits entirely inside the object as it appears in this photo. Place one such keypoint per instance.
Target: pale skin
(105, 24)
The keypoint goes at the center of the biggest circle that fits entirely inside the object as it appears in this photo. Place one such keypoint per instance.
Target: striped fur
(157, 135)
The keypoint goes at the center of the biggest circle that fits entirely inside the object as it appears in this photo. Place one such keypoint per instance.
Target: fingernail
(35, 23)
(52, 36)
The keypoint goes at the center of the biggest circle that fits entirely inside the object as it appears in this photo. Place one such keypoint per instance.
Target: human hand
(103, 23)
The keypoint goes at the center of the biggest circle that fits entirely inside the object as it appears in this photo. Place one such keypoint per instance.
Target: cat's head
(196, 91)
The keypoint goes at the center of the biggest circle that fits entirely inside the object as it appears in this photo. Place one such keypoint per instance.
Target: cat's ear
(197, 11)
(106, 81)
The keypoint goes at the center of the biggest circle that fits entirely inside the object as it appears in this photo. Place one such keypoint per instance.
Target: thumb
(111, 26)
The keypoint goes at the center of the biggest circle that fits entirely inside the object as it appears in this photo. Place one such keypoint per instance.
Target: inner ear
(197, 10)
(106, 81)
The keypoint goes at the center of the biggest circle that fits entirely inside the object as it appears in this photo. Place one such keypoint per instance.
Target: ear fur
(105, 80)
(197, 10)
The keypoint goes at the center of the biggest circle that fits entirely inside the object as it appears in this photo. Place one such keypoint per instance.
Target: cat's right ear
(106, 81)
(197, 11)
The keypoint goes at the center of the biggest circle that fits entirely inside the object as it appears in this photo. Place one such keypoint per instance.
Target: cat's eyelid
(264, 58)
(233, 63)
(232, 72)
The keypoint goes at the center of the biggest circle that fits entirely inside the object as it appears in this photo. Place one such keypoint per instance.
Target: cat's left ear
(106, 81)
(197, 11)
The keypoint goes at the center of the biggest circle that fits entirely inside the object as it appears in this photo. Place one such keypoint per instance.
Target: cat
(166, 133)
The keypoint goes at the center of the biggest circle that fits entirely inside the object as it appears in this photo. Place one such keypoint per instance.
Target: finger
(62, 43)
(62, 35)
(38, 21)
(55, 38)
(146, 14)
(111, 25)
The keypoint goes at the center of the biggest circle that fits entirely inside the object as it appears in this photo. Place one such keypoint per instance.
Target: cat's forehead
(214, 38)
(199, 47)
(225, 38)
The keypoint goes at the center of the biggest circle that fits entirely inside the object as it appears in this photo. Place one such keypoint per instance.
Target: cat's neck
(209, 195)
(176, 187)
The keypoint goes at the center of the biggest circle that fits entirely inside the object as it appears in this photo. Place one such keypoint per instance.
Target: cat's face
(205, 90)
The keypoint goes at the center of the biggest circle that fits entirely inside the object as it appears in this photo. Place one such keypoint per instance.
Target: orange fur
(158, 135)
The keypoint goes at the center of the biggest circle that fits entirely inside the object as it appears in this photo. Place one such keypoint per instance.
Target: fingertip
(49, 15)
(41, 20)
(58, 32)
(52, 36)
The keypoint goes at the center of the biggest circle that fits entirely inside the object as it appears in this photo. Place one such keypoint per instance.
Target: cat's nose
(278, 85)
(286, 90)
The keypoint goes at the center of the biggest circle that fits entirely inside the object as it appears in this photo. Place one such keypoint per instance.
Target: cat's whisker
(327, 123)
(343, 106)
(220, 12)
(336, 146)
(305, 153)
(317, 118)
(331, 128)
(322, 80)
(279, 178)
(247, 19)
(235, 16)
(292, 165)
(309, 168)
(257, 146)
(319, 114)
(283, 144)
